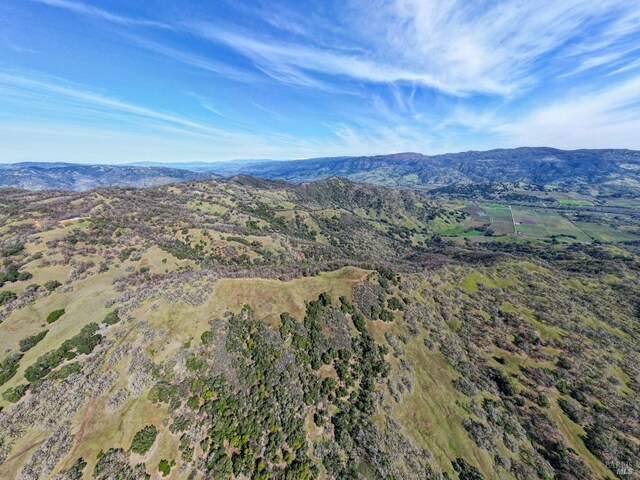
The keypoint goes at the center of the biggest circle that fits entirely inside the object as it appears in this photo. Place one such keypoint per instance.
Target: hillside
(67, 176)
(615, 169)
(250, 328)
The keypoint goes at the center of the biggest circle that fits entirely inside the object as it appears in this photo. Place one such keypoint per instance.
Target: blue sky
(116, 81)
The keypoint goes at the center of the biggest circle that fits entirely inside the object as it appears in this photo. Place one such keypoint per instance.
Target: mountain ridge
(542, 165)
(611, 169)
(67, 176)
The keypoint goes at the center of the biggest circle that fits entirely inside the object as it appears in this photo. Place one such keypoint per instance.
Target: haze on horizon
(116, 82)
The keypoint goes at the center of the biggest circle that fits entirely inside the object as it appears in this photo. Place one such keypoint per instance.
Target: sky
(116, 81)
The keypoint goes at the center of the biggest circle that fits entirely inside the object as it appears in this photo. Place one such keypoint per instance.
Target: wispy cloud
(92, 11)
(354, 76)
(457, 47)
(192, 59)
(75, 95)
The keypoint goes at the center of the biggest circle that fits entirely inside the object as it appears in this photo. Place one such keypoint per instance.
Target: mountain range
(610, 168)
(615, 168)
(242, 328)
(69, 176)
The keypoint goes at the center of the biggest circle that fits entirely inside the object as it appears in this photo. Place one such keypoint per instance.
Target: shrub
(359, 323)
(505, 385)
(51, 285)
(6, 296)
(14, 394)
(571, 409)
(8, 367)
(144, 439)
(22, 276)
(55, 315)
(30, 342)
(66, 370)
(207, 337)
(14, 249)
(465, 470)
(325, 299)
(165, 467)
(346, 306)
(386, 316)
(394, 303)
(111, 318)
(82, 343)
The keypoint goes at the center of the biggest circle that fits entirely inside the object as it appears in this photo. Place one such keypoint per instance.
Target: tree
(465, 470)
(51, 285)
(6, 296)
(144, 439)
(55, 315)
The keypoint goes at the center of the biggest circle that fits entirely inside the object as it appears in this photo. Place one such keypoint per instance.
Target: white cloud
(77, 96)
(607, 118)
(90, 10)
(455, 46)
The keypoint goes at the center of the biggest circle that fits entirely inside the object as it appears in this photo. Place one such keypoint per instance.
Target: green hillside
(249, 328)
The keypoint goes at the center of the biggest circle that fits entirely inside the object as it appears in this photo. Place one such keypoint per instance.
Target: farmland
(544, 217)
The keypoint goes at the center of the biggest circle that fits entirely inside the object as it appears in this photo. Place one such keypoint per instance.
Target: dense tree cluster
(82, 343)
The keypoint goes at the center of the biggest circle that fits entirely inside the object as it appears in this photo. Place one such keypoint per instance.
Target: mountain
(220, 166)
(611, 170)
(67, 176)
(544, 166)
(250, 328)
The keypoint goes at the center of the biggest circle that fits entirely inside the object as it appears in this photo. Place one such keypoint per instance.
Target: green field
(500, 216)
(575, 203)
(605, 233)
(543, 223)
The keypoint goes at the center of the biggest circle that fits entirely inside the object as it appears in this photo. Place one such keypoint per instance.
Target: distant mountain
(222, 167)
(577, 169)
(68, 176)
(614, 168)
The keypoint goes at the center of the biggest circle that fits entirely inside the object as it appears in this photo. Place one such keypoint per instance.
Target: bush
(14, 394)
(505, 385)
(325, 299)
(22, 276)
(66, 370)
(571, 409)
(144, 439)
(386, 316)
(55, 315)
(346, 306)
(359, 323)
(111, 318)
(207, 337)
(30, 342)
(51, 285)
(394, 303)
(9, 367)
(465, 470)
(6, 297)
(14, 249)
(83, 343)
(165, 467)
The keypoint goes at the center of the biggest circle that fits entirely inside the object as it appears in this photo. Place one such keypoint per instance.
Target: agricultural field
(538, 222)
